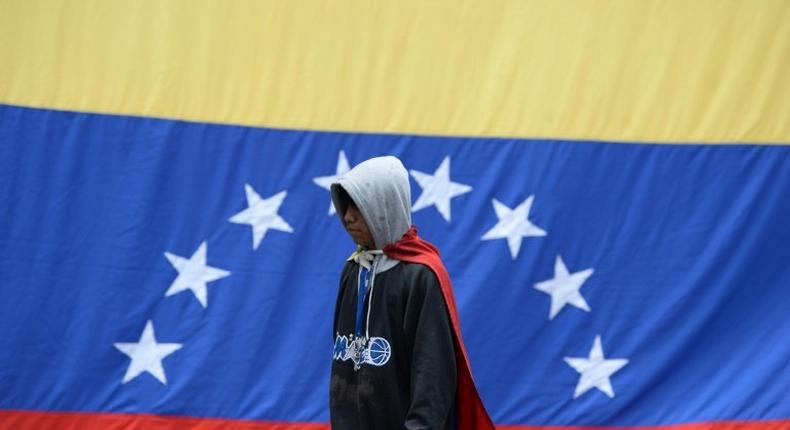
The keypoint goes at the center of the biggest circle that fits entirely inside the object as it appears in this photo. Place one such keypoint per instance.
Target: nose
(349, 217)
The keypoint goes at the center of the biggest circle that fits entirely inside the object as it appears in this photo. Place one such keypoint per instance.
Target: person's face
(357, 228)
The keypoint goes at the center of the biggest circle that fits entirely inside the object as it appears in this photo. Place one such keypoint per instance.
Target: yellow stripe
(662, 70)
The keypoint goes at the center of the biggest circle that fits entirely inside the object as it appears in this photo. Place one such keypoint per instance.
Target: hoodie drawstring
(370, 299)
(365, 283)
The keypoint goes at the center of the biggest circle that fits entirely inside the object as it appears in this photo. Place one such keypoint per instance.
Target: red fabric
(472, 414)
(44, 420)
(40, 420)
(710, 425)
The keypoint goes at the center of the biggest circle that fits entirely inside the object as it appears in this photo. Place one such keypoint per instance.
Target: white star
(327, 181)
(261, 214)
(564, 288)
(438, 189)
(146, 355)
(513, 224)
(595, 370)
(194, 274)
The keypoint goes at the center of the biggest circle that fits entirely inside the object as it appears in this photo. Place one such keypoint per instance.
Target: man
(399, 360)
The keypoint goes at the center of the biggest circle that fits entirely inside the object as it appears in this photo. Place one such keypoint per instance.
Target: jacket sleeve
(345, 275)
(433, 367)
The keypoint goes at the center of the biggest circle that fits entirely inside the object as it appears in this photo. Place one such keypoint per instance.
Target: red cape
(411, 248)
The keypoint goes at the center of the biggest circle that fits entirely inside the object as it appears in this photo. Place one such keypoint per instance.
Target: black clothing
(412, 386)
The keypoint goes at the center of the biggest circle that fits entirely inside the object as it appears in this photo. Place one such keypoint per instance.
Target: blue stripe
(362, 292)
(689, 246)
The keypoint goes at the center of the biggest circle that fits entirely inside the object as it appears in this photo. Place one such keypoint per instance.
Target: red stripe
(712, 425)
(31, 420)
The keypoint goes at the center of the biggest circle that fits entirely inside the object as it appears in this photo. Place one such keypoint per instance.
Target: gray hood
(380, 189)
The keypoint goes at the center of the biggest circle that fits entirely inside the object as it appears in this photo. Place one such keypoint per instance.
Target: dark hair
(343, 199)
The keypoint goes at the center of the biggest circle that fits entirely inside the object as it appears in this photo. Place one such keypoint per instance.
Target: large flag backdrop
(609, 183)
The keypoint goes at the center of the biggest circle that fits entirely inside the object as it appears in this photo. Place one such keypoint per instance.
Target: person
(399, 359)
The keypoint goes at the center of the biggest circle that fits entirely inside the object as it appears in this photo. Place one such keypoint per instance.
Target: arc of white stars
(438, 189)
(327, 181)
(261, 214)
(513, 225)
(595, 371)
(194, 274)
(564, 288)
(146, 355)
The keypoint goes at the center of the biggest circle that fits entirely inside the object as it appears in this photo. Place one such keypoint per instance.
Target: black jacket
(409, 378)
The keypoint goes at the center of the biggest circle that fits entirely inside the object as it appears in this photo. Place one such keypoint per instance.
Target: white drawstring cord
(366, 258)
(370, 261)
(370, 299)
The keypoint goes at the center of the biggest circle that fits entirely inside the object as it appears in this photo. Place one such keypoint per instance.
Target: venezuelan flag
(608, 182)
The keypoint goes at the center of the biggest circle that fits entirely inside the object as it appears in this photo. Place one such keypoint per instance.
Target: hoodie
(398, 355)
(380, 189)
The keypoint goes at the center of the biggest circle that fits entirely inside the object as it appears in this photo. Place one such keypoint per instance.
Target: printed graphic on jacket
(375, 350)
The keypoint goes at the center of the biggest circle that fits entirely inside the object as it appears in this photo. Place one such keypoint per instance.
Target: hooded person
(399, 360)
